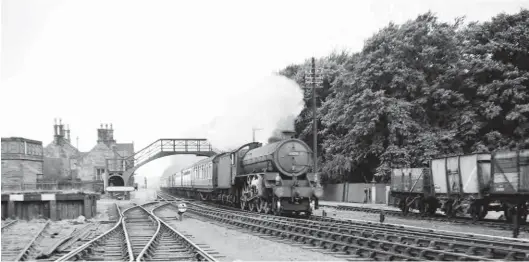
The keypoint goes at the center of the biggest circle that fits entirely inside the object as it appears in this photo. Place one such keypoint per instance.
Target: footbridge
(125, 167)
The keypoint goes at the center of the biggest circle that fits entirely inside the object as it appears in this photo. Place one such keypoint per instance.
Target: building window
(99, 173)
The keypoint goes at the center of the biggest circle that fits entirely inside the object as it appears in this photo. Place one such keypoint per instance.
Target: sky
(168, 68)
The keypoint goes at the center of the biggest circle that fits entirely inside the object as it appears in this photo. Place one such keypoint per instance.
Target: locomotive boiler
(273, 178)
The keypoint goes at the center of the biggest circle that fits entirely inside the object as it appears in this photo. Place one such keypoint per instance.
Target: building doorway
(116, 181)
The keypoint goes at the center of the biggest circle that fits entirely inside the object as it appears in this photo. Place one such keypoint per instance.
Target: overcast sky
(161, 68)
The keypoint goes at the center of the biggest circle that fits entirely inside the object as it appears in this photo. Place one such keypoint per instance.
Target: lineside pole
(314, 81)
(314, 116)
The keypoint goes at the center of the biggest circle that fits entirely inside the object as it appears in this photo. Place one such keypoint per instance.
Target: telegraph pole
(315, 82)
(253, 133)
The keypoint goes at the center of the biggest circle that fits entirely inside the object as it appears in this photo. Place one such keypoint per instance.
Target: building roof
(129, 147)
(21, 139)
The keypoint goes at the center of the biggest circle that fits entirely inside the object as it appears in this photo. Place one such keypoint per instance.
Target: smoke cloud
(272, 104)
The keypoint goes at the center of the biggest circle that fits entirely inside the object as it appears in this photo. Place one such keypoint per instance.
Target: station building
(62, 160)
(22, 160)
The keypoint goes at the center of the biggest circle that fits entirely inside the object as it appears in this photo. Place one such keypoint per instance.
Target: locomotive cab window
(232, 158)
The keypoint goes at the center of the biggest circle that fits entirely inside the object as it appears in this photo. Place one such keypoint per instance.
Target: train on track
(273, 178)
(466, 185)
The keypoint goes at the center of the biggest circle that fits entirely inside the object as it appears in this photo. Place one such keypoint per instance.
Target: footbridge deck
(125, 167)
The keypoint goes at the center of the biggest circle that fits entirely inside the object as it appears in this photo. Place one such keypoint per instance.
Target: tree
(420, 90)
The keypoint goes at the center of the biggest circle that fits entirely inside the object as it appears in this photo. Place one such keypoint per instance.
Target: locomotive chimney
(287, 134)
(279, 135)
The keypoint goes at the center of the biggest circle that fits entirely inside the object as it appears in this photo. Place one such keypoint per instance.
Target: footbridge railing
(161, 148)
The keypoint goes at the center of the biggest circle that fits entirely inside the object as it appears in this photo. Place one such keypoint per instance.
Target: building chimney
(58, 136)
(105, 135)
(55, 129)
(68, 134)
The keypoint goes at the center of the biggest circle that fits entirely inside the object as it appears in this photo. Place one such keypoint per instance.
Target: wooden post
(53, 210)
(87, 207)
(11, 209)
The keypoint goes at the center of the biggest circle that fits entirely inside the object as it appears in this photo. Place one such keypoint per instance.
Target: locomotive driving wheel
(247, 203)
(252, 206)
(258, 207)
(266, 206)
(244, 205)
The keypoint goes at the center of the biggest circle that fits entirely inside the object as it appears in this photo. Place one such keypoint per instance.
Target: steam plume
(272, 104)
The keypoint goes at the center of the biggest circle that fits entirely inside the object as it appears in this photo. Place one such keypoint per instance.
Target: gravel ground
(20, 234)
(473, 229)
(105, 206)
(235, 245)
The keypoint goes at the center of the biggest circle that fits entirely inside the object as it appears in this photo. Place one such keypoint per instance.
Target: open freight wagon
(412, 188)
(466, 185)
(510, 182)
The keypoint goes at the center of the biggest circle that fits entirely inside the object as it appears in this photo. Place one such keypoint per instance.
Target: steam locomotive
(273, 178)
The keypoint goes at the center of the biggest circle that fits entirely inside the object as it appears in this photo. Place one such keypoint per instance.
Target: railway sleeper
(520, 251)
(461, 246)
(280, 227)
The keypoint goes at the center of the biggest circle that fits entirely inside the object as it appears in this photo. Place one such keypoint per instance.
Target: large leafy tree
(420, 90)
(496, 66)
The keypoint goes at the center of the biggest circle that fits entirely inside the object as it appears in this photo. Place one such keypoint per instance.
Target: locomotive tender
(274, 178)
(469, 184)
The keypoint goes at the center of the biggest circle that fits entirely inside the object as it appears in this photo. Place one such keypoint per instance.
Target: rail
(25, 250)
(77, 252)
(149, 244)
(392, 241)
(127, 237)
(201, 252)
(6, 226)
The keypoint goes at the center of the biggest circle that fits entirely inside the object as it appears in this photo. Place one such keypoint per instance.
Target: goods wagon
(510, 182)
(274, 178)
(462, 184)
(466, 185)
(413, 188)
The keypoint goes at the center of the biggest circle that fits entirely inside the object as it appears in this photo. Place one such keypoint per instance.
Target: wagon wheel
(405, 207)
(431, 209)
(423, 208)
(474, 212)
(450, 212)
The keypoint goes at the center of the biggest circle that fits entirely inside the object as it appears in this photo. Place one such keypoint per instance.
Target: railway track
(349, 239)
(141, 226)
(8, 225)
(19, 242)
(113, 245)
(496, 224)
(77, 239)
(167, 244)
